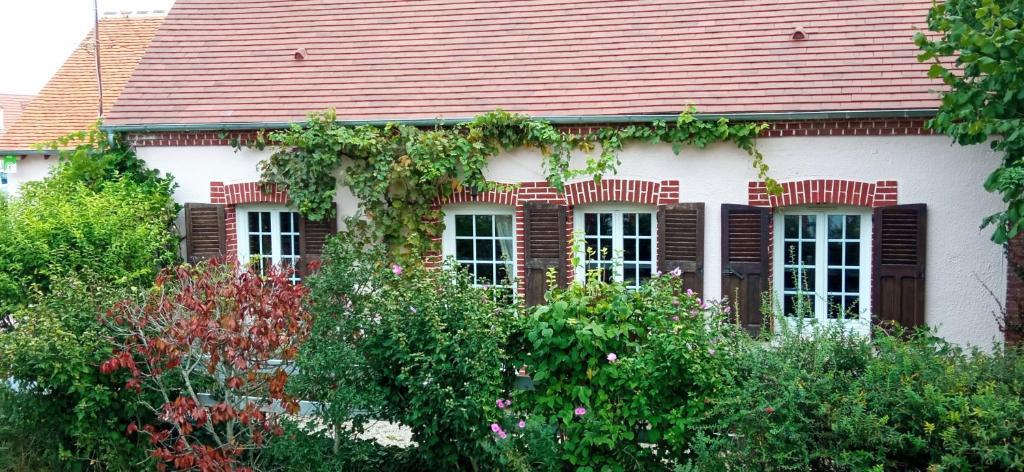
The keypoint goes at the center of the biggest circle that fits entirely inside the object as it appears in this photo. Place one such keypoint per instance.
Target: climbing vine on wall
(397, 171)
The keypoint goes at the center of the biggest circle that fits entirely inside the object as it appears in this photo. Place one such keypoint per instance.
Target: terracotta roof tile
(230, 62)
(68, 102)
(10, 108)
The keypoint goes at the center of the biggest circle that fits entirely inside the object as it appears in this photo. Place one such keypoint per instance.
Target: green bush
(299, 449)
(827, 400)
(407, 345)
(615, 368)
(70, 246)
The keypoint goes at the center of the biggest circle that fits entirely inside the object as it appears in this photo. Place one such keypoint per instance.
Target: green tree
(979, 54)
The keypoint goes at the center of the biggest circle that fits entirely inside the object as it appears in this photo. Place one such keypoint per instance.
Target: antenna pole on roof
(96, 46)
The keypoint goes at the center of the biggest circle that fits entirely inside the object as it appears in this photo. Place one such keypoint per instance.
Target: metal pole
(96, 48)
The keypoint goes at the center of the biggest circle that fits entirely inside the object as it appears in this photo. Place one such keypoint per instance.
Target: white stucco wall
(30, 168)
(963, 265)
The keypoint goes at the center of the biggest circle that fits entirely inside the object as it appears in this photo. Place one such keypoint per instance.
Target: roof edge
(29, 152)
(557, 120)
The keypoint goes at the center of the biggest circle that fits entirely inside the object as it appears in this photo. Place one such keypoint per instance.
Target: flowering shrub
(614, 368)
(405, 344)
(210, 329)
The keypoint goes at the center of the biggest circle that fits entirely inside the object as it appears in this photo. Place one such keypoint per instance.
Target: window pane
(852, 307)
(835, 253)
(501, 275)
(629, 224)
(852, 281)
(853, 254)
(463, 225)
(792, 224)
(503, 225)
(808, 222)
(592, 248)
(835, 306)
(789, 279)
(254, 244)
(265, 221)
(852, 227)
(485, 274)
(790, 253)
(254, 222)
(606, 224)
(265, 241)
(468, 268)
(645, 250)
(808, 280)
(835, 280)
(483, 225)
(644, 272)
(286, 245)
(645, 224)
(286, 221)
(629, 249)
(484, 250)
(590, 224)
(789, 305)
(629, 274)
(464, 249)
(835, 226)
(807, 253)
(499, 250)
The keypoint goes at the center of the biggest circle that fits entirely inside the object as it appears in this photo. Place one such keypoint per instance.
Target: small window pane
(254, 222)
(645, 224)
(468, 268)
(790, 253)
(835, 306)
(645, 250)
(590, 223)
(484, 250)
(792, 224)
(592, 248)
(502, 274)
(835, 280)
(265, 221)
(499, 251)
(606, 224)
(852, 280)
(629, 274)
(789, 279)
(265, 240)
(852, 307)
(808, 280)
(464, 249)
(286, 245)
(645, 272)
(286, 222)
(808, 222)
(629, 249)
(254, 244)
(807, 253)
(483, 225)
(853, 254)
(852, 227)
(503, 224)
(789, 305)
(629, 224)
(835, 226)
(463, 225)
(835, 253)
(485, 274)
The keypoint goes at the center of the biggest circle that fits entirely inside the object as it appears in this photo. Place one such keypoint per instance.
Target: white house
(881, 214)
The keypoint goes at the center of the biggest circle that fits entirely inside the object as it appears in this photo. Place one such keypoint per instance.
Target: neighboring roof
(10, 106)
(233, 62)
(68, 102)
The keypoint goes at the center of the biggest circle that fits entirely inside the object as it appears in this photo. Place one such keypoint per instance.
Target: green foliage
(631, 362)
(91, 158)
(404, 344)
(826, 400)
(397, 171)
(298, 449)
(95, 231)
(985, 97)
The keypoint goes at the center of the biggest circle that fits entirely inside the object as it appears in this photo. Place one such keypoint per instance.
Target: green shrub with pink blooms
(622, 374)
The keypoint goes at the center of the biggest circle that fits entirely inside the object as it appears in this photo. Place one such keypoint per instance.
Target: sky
(36, 36)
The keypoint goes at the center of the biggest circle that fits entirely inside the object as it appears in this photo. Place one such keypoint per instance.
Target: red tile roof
(233, 62)
(10, 108)
(68, 102)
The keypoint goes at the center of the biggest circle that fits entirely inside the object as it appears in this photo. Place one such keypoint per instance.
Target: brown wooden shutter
(681, 242)
(312, 238)
(898, 262)
(204, 232)
(745, 262)
(545, 248)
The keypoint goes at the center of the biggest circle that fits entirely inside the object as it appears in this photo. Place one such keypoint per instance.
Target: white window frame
(242, 229)
(448, 236)
(860, 325)
(580, 271)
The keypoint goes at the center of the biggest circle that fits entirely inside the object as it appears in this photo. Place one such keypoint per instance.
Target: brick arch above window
(609, 190)
(251, 192)
(880, 193)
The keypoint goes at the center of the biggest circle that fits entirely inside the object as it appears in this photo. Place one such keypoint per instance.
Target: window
(822, 264)
(4, 188)
(482, 241)
(269, 236)
(619, 242)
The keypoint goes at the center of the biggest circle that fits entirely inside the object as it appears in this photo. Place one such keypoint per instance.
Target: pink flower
(502, 403)
(397, 269)
(502, 435)
(675, 318)
(495, 428)
(676, 272)
(612, 357)
(704, 306)
(689, 292)
(580, 411)
(711, 352)
(727, 309)
(522, 424)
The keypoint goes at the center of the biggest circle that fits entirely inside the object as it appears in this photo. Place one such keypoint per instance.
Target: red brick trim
(231, 195)
(829, 127)
(576, 193)
(831, 191)
(1012, 324)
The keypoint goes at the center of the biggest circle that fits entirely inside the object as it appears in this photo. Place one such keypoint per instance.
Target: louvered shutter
(745, 262)
(681, 242)
(312, 238)
(898, 262)
(545, 248)
(204, 231)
